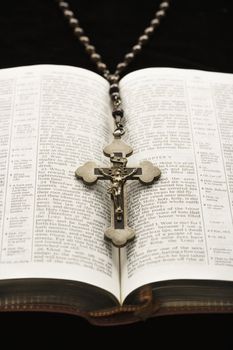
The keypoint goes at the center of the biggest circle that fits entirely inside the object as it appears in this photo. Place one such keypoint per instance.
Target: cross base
(119, 237)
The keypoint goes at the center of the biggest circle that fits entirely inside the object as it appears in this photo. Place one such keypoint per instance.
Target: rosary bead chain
(113, 78)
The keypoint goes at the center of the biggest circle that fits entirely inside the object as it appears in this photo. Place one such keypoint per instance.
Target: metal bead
(113, 78)
(136, 48)
(160, 14)
(164, 5)
(118, 113)
(121, 66)
(117, 72)
(106, 74)
(84, 39)
(117, 133)
(149, 30)
(63, 5)
(78, 31)
(114, 88)
(96, 57)
(155, 22)
(101, 66)
(90, 49)
(118, 122)
(115, 96)
(143, 39)
(68, 14)
(73, 22)
(129, 57)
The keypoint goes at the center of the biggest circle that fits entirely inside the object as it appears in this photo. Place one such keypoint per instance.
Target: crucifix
(118, 151)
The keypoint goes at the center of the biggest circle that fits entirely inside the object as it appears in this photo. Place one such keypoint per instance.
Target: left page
(52, 120)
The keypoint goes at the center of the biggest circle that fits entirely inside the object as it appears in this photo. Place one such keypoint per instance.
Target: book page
(52, 120)
(182, 121)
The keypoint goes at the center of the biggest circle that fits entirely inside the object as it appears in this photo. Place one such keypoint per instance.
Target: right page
(182, 121)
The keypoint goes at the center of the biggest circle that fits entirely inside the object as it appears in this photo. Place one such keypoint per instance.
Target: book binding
(147, 307)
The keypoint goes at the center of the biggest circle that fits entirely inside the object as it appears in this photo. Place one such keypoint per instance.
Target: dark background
(196, 34)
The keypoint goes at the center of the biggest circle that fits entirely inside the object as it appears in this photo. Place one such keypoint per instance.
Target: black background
(196, 34)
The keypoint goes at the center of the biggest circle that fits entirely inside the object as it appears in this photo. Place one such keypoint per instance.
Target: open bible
(52, 252)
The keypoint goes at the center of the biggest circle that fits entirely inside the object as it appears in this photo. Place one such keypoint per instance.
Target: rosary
(117, 151)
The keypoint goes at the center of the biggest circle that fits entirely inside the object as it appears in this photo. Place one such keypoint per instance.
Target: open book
(53, 255)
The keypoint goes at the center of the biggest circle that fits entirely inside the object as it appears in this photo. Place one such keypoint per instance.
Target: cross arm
(147, 173)
(104, 173)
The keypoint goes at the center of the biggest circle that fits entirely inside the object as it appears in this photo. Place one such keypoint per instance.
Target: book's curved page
(182, 121)
(52, 120)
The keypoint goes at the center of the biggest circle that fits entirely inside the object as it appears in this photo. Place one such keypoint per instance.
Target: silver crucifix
(118, 151)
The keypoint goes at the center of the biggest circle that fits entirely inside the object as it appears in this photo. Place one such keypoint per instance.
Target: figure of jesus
(118, 175)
